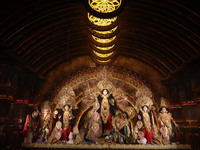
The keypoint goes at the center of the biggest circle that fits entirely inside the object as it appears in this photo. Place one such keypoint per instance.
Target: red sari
(147, 135)
(65, 133)
(108, 125)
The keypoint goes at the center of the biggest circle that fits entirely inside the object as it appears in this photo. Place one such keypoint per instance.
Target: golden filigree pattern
(103, 41)
(104, 6)
(101, 22)
(146, 119)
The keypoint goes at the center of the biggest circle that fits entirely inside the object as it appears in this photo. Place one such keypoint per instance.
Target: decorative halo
(96, 105)
(130, 111)
(164, 102)
(95, 127)
(142, 101)
(143, 91)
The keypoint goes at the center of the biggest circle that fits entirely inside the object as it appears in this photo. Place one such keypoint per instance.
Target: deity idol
(166, 121)
(67, 117)
(146, 117)
(145, 107)
(108, 107)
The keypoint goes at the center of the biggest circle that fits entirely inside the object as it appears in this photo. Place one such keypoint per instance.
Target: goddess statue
(167, 123)
(67, 127)
(146, 116)
(108, 107)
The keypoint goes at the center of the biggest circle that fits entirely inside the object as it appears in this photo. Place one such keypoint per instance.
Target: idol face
(105, 92)
(66, 108)
(145, 108)
(164, 109)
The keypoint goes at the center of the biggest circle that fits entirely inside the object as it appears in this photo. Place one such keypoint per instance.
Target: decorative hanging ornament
(104, 6)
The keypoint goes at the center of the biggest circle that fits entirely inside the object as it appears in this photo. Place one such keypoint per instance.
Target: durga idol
(107, 109)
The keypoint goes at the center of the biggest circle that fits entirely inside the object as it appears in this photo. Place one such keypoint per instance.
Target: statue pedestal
(34, 146)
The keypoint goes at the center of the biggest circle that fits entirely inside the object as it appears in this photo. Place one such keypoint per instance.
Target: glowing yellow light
(103, 55)
(107, 32)
(103, 61)
(101, 22)
(103, 41)
(104, 6)
(104, 48)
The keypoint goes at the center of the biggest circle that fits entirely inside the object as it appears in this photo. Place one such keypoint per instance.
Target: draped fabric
(148, 135)
(108, 125)
(65, 133)
(26, 126)
(174, 131)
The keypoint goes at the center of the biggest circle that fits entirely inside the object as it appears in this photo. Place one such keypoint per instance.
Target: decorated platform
(34, 146)
(117, 111)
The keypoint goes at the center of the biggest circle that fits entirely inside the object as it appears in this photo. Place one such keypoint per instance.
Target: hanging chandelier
(103, 27)
(104, 6)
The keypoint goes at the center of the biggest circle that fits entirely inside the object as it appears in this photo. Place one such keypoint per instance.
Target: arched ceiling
(44, 35)
(163, 35)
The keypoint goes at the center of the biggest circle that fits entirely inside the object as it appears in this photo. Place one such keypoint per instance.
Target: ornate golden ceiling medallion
(104, 6)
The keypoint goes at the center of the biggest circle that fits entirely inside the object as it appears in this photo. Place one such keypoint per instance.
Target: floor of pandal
(34, 146)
